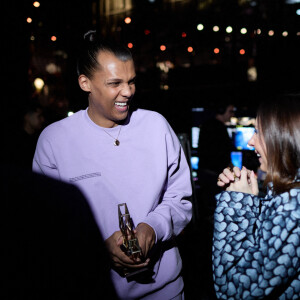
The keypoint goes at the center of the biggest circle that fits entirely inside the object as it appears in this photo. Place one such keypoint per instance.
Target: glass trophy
(130, 242)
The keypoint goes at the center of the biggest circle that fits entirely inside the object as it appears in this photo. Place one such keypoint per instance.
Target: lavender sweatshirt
(148, 171)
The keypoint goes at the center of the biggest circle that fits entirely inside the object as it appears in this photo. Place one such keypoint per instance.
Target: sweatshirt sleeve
(174, 211)
(44, 159)
(255, 253)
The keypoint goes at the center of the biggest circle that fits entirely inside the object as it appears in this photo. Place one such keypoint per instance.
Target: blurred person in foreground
(51, 246)
(256, 247)
(117, 155)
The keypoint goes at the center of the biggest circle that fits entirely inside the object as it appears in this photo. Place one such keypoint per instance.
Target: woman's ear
(84, 83)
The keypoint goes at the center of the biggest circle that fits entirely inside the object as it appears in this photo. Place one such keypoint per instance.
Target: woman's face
(257, 141)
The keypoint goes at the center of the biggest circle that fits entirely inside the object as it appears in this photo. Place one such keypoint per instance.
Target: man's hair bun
(90, 36)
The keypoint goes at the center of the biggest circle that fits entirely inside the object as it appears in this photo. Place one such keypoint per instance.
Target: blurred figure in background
(21, 144)
(215, 144)
(214, 150)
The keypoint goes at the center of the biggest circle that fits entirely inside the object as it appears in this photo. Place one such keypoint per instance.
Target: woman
(256, 247)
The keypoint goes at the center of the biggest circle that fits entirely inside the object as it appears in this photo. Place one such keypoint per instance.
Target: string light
(127, 20)
(229, 29)
(36, 4)
(163, 47)
(243, 31)
(53, 38)
(200, 27)
(130, 45)
(29, 20)
(190, 49)
(242, 51)
(216, 28)
(216, 50)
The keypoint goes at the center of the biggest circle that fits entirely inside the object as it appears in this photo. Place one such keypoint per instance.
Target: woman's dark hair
(279, 122)
(87, 62)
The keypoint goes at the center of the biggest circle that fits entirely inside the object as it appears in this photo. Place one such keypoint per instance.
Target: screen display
(242, 136)
(194, 162)
(237, 159)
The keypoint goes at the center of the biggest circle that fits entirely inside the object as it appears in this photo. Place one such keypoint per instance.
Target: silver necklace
(116, 142)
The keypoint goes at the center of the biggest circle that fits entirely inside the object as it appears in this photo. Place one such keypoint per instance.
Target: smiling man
(117, 155)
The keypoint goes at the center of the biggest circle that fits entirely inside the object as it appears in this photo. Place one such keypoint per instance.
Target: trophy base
(140, 275)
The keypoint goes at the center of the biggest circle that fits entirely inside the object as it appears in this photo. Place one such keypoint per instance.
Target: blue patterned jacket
(256, 246)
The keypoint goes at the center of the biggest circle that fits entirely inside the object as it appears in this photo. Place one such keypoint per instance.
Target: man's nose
(127, 90)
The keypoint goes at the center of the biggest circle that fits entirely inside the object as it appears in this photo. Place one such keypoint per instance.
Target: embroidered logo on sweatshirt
(86, 176)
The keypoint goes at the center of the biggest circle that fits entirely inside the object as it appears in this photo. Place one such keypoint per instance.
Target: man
(116, 155)
(215, 145)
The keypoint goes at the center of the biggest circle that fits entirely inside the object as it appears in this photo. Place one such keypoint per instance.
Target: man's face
(229, 113)
(35, 119)
(110, 90)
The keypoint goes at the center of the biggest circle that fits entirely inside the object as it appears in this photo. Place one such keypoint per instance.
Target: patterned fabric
(256, 247)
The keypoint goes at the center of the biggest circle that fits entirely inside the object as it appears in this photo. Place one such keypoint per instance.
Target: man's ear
(84, 83)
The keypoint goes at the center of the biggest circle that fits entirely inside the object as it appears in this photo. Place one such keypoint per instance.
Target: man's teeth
(121, 103)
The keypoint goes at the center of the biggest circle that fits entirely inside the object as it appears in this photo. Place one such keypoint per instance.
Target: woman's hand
(238, 180)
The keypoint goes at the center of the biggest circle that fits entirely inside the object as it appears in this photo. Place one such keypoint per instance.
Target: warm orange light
(147, 31)
(130, 45)
(190, 49)
(29, 20)
(183, 34)
(36, 4)
(127, 20)
(53, 38)
(242, 51)
(163, 47)
(216, 50)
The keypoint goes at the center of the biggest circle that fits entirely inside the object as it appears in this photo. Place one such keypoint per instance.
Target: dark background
(196, 79)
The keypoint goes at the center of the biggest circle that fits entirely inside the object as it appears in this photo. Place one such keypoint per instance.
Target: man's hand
(146, 237)
(119, 259)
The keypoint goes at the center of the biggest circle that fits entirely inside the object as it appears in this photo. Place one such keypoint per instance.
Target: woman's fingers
(254, 183)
